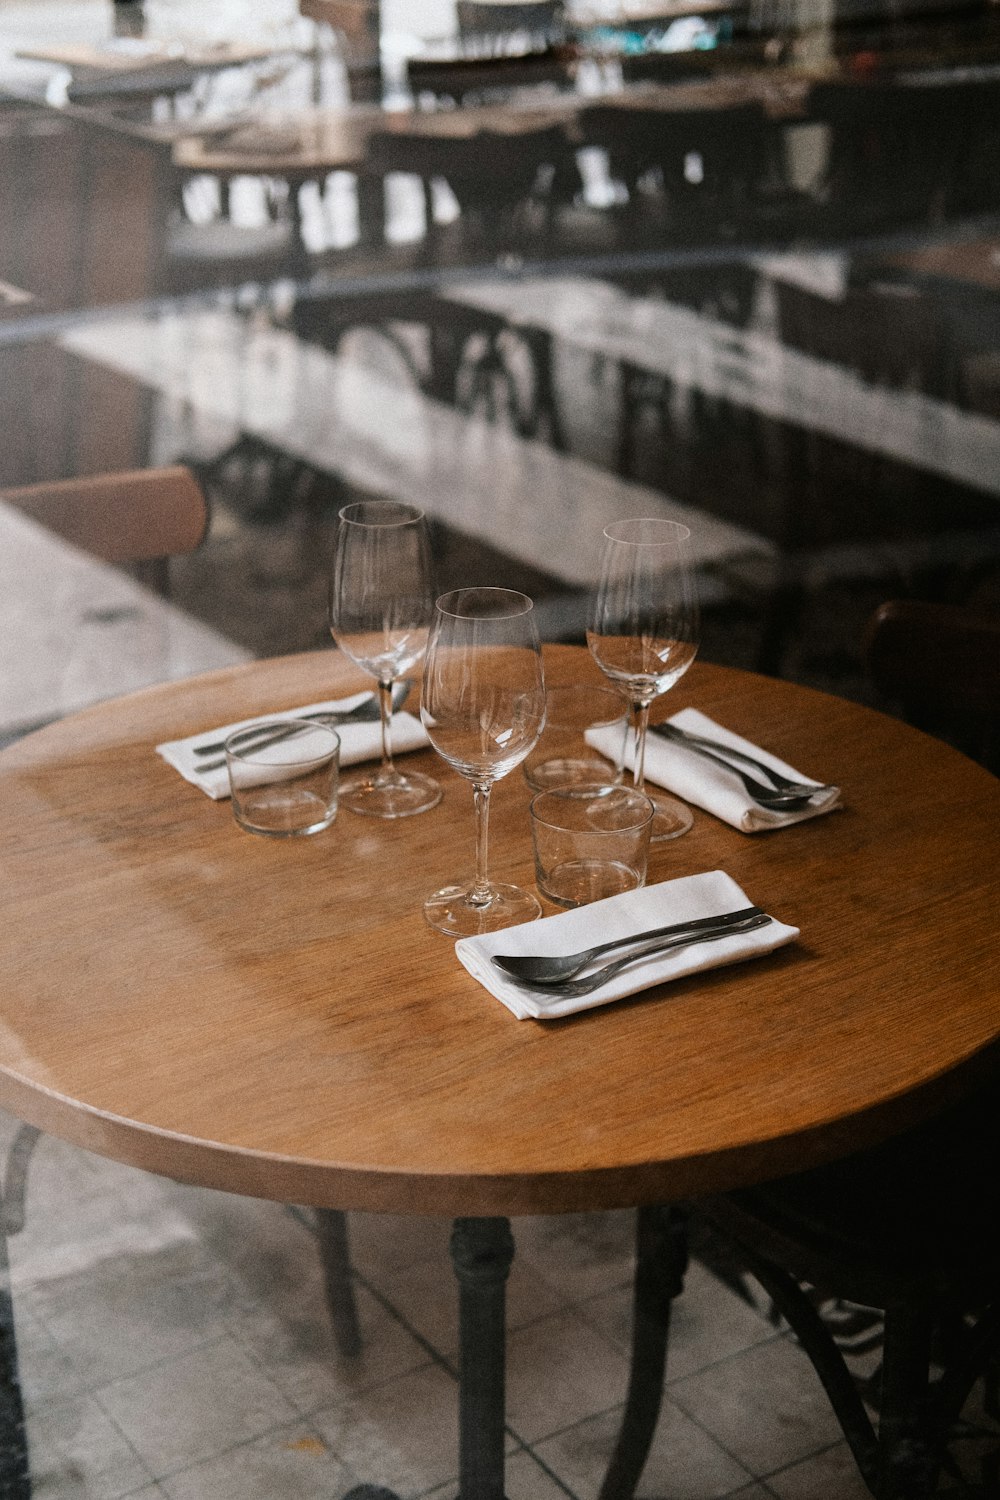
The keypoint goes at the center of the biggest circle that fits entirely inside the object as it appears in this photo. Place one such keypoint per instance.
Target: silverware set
(365, 712)
(780, 794)
(556, 973)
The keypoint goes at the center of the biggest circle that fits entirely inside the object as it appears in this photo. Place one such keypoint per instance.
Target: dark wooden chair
(468, 80)
(894, 150)
(488, 23)
(939, 665)
(508, 182)
(696, 169)
(910, 1228)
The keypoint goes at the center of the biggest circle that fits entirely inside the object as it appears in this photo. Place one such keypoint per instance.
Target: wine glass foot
(670, 819)
(450, 910)
(400, 797)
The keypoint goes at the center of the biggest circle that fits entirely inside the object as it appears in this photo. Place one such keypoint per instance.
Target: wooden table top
(323, 140)
(974, 263)
(133, 55)
(275, 1018)
(307, 141)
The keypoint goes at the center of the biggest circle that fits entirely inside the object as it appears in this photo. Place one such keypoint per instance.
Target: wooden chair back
(139, 516)
(941, 664)
(491, 22)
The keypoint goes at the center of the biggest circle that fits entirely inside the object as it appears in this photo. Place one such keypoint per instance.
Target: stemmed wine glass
(483, 706)
(643, 632)
(381, 603)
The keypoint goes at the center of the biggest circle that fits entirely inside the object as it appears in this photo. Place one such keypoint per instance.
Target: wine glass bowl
(381, 605)
(643, 631)
(483, 706)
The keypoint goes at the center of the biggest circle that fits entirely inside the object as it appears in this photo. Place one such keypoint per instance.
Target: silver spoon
(365, 712)
(535, 968)
(782, 782)
(764, 796)
(571, 988)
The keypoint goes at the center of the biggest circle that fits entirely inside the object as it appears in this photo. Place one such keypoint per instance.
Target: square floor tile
(766, 1404)
(75, 1449)
(301, 1356)
(47, 1374)
(559, 1371)
(292, 1463)
(403, 1434)
(708, 1322)
(195, 1407)
(128, 1311)
(684, 1462)
(426, 1293)
(830, 1475)
(384, 1242)
(581, 1255)
(79, 1206)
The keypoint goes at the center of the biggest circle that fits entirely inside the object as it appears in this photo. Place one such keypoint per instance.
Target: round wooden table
(273, 1017)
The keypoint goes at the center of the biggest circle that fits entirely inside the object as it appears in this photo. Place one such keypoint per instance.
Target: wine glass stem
(641, 725)
(480, 894)
(385, 715)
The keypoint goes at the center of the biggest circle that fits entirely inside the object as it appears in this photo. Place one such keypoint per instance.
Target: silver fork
(569, 989)
(365, 712)
(554, 968)
(787, 797)
(783, 783)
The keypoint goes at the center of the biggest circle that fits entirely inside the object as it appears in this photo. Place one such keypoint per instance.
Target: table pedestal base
(481, 1252)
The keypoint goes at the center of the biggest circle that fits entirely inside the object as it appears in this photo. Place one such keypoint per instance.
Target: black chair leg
(907, 1457)
(331, 1229)
(661, 1261)
(15, 1481)
(16, 1177)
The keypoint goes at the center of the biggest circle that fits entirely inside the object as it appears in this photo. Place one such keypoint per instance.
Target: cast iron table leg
(481, 1253)
(661, 1261)
(15, 1483)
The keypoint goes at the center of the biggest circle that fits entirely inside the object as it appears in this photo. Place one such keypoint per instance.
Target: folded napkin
(692, 896)
(700, 781)
(357, 742)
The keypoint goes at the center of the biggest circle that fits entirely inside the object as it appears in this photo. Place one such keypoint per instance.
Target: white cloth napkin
(702, 782)
(357, 742)
(683, 900)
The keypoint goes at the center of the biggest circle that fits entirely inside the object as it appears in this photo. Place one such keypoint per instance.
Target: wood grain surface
(275, 1018)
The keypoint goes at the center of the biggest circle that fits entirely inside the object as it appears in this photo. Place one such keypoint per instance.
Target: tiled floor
(174, 1342)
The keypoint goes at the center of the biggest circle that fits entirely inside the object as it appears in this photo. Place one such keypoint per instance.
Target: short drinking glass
(590, 842)
(283, 776)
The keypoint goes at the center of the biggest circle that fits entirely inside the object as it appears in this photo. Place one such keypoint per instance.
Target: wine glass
(643, 632)
(381, 603)
(483, 706)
